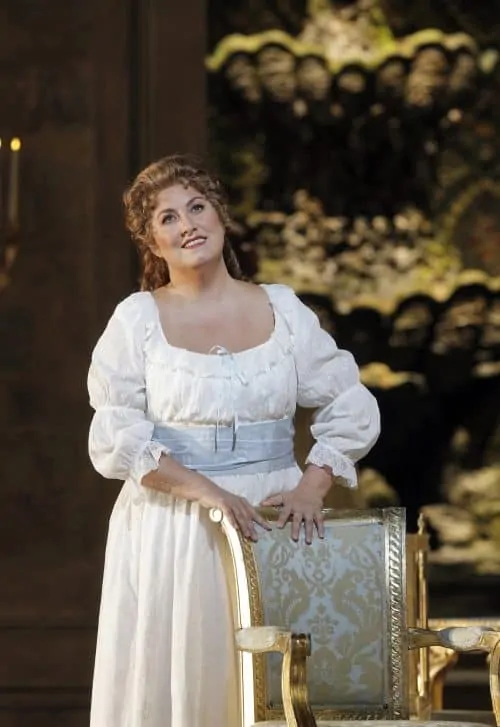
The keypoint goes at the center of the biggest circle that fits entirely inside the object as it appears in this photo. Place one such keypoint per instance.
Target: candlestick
(13, 188)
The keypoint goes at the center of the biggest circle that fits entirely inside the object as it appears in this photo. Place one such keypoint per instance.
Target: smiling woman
(184, 221)
(194, 383)
(144, 204)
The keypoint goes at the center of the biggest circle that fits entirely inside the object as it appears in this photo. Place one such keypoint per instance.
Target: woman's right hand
(177, 480)
(238, 511)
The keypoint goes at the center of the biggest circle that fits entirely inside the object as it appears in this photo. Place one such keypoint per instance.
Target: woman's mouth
(194, 242)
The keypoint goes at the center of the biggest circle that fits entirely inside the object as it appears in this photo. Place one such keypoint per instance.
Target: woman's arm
(120, 438)
(179, 481)
(346, 424)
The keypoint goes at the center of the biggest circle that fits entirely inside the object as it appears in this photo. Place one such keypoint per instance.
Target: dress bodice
(187, 387)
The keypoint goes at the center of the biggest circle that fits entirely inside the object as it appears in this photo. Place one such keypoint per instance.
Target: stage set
(359, 143)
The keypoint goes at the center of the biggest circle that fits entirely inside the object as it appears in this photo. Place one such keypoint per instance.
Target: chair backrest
(348, 592)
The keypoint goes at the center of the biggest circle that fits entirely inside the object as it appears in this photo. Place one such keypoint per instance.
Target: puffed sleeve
(346, 424)
(120, 444)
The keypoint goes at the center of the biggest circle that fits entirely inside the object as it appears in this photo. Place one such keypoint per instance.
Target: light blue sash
(257, 448)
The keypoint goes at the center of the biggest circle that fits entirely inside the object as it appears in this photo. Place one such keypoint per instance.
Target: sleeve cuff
(148, 460)
(322, 455)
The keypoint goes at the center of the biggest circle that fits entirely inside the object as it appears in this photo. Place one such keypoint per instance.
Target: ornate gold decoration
(379, 376)
(467, 523)
(373, 263)
(356, 30)
(235, 44)
(295, 649)
(441, 661)
(417, 549)
(466, 638)
(397, 604)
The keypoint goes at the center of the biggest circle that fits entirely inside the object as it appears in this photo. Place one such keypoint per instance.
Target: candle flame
(15, 144)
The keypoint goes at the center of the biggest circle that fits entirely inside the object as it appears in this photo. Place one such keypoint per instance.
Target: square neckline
(211, 353)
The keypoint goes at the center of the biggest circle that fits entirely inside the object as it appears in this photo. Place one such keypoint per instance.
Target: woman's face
(186, 227)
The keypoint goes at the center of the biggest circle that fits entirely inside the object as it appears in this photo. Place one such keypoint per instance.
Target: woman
(194, 383)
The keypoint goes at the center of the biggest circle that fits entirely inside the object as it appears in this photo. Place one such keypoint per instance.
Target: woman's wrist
(319, 479)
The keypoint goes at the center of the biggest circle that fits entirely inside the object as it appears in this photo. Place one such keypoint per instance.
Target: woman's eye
(167, 219)
(198, 207)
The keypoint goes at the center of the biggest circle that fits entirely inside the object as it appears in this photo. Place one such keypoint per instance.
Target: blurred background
(359, 144)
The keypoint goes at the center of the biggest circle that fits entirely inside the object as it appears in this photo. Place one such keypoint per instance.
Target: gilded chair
(420, 664)
(334, 610)
(442, 661)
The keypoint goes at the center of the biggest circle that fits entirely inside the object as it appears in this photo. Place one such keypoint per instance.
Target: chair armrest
(466, 638)
(295, 649)
(259, 639)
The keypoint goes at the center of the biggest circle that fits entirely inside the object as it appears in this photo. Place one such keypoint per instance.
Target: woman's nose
(186, 224)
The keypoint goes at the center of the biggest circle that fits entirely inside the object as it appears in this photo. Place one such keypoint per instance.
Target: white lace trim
(148, 460)
(322, 454)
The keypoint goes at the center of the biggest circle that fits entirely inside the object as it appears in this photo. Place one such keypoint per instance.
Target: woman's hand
(304, 504)
(236, 509)
(179, 481)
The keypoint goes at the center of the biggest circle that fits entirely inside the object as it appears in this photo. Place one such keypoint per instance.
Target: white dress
(165, 655)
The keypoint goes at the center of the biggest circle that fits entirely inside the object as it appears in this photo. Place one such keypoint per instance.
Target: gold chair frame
(249, 613)
(254, 638)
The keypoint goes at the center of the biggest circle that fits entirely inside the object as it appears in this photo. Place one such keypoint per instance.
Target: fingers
(284, 517)
(261, 521)
(247, 528)
(239, 519)
(273, 501)
(309, 528)
(296, 523)
(245, 517)
(311, 521)
(320, 524)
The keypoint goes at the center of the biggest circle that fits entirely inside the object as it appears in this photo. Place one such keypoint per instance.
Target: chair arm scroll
(295, 649)
(466, 638)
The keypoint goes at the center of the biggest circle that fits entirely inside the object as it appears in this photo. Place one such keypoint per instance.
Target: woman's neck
(196, 284)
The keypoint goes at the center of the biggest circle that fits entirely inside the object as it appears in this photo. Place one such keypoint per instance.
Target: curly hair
(140, 201)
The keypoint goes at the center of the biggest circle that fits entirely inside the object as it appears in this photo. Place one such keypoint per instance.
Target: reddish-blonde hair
(140, 201)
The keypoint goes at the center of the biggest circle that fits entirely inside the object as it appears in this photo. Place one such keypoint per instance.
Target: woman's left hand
(304, 504)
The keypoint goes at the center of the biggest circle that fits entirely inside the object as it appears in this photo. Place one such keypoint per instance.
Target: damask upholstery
(348, 592)
(335, 591)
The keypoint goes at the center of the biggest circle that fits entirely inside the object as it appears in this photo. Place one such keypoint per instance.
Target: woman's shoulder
(135, 307)
(283, 297)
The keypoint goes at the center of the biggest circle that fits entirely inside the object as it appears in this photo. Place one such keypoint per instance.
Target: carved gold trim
(406, 48)
(257, 617)
(394, 520)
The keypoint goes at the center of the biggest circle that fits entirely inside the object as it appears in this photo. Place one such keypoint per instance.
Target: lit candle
(13, 188)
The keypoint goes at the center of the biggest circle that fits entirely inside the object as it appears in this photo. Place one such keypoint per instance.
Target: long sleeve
(347, 422)
(120, 445)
